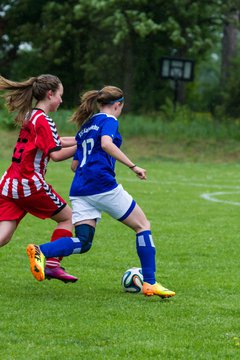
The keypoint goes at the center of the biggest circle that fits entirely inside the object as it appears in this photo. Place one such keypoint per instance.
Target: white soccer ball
(132, 280)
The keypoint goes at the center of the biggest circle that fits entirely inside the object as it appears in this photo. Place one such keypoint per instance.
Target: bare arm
(63, 154)
(67, 141)
(74, 165)
(114, 151)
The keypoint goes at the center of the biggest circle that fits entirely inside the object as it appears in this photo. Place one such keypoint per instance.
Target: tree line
(91, 43)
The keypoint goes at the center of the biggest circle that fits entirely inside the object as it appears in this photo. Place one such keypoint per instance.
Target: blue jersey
(95, 172)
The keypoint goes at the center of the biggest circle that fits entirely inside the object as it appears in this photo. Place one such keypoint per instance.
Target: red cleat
(59, 274)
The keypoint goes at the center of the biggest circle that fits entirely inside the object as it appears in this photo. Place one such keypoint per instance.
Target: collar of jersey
(102, 113)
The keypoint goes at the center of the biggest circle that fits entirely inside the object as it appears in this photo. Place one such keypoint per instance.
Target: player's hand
(141, 173)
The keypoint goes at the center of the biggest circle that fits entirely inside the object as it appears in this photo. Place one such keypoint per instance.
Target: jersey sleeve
(110, 127)
(47, 138)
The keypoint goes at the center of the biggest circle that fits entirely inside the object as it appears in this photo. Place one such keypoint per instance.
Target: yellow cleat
(156, 289)
(37, 261)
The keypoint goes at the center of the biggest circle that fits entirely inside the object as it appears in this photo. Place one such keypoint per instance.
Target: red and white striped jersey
(38, 137)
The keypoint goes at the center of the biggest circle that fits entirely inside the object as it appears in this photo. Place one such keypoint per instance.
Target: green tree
(89, 43)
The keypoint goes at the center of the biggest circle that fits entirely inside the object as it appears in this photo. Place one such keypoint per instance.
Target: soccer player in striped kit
(23, 188)
(95, 189)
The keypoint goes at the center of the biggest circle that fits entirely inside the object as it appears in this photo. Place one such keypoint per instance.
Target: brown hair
(20, 95)
(90, 99)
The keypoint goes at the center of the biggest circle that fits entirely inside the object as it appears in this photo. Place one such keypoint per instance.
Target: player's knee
(86, 247)
(85, 234)
(4, 241)
(147, 224)
(142, 226)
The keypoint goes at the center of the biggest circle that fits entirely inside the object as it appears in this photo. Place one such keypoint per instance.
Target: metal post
(175, 100)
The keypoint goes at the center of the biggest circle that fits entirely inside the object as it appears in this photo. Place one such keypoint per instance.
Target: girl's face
(55, 98)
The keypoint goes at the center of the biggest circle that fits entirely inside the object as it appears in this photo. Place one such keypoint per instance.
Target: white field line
(214, 196)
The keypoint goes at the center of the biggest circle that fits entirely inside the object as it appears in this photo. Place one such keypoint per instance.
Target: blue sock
(146, 252)
(61, 247)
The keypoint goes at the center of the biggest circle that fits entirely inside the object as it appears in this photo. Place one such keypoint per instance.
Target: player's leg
(120, 205)
(46, 203)
(65, 246)
(84, 232)
(10, 216)
(144, 242)
(146, 253)
(53, 270)
(7, 229)
(46, 264)
(71, 245)
(84, 217)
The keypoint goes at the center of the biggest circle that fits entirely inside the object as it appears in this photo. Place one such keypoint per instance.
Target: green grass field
(197, 243)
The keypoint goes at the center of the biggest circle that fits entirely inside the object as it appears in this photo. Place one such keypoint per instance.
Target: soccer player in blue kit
(95, 189)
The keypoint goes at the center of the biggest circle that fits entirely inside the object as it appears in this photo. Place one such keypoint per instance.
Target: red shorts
(43, 204)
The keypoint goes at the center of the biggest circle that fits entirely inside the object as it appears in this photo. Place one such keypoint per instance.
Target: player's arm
(74, 165)
(110, 148)
(48, 140)
(67, 141)
(63, 153)
(75, 162)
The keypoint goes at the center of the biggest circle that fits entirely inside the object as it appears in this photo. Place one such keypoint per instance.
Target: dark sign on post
(177, 69)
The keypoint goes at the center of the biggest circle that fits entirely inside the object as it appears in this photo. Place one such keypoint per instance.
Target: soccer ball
(132, 280)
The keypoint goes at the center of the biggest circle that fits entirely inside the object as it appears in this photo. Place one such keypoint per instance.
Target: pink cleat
(59, 274)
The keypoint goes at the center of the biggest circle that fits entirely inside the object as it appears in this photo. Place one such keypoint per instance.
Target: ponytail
(91, 100)
(19, 96)
(86, 108)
